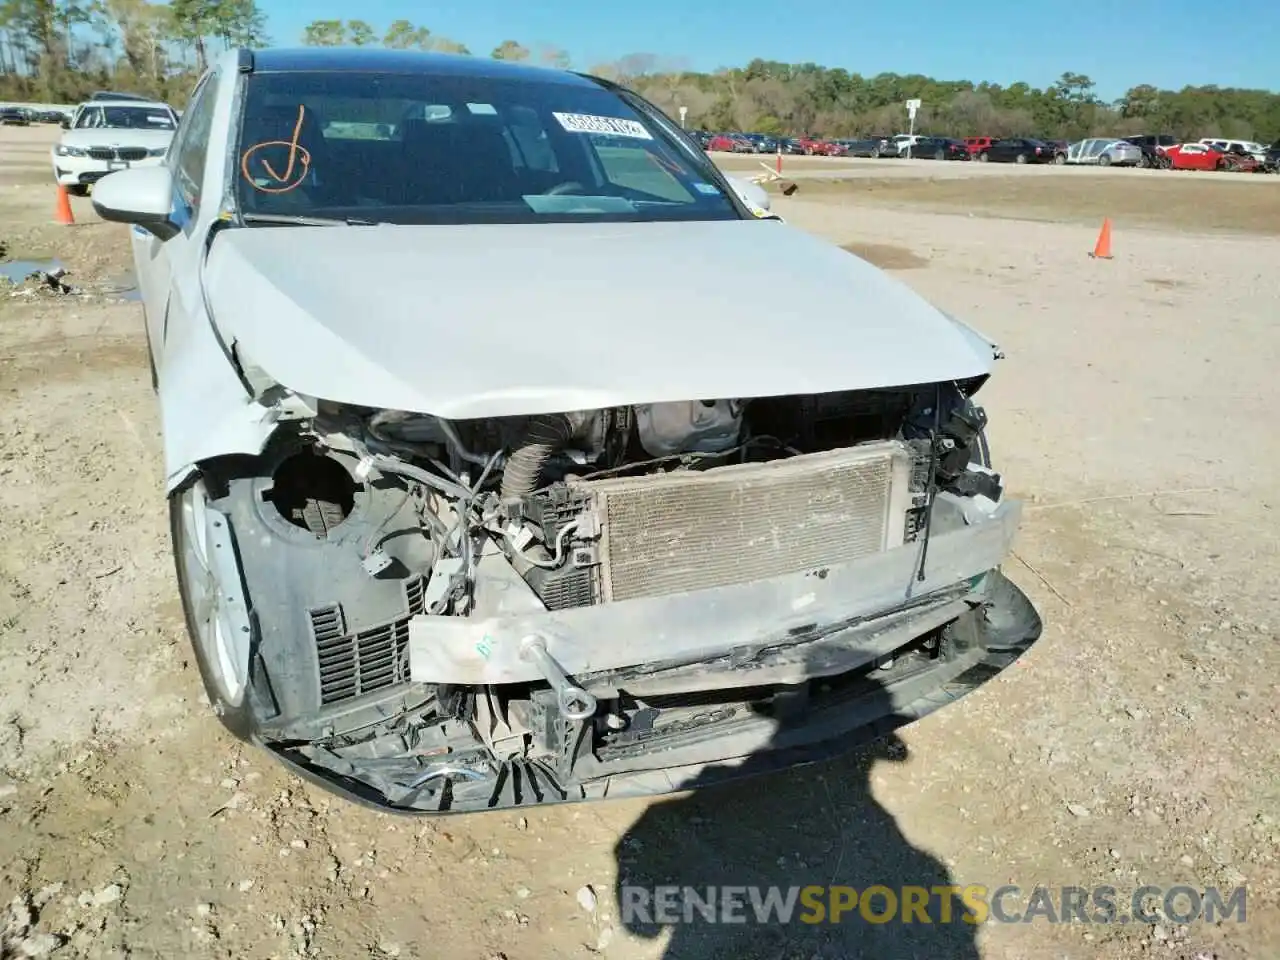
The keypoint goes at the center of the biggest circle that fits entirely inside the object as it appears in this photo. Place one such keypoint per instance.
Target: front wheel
(1059, 158)
(1104, 160)
(1020, 158)
(213, 602)
(984, 156)
(939, 155)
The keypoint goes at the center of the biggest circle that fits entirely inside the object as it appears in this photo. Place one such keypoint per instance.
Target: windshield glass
(448, 148)
(129, 118)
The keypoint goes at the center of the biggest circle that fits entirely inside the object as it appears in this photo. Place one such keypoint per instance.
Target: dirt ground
(1137, 743)
(1200, 202)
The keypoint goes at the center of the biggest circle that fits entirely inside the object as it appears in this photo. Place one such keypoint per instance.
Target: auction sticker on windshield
(615, 126)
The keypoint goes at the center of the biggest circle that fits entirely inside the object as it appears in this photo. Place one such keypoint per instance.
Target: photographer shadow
(813, 825)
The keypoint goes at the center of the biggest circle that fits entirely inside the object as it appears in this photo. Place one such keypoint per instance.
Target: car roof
(377, 60)
(123, 103)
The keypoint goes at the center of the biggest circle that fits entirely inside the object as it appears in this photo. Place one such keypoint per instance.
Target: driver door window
(190, 147)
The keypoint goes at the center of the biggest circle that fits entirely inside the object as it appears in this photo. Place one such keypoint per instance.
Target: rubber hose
(544, 436)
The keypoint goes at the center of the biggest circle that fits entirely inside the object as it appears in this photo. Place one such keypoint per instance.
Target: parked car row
(17, 116)
(13, 116)
(1161, 151)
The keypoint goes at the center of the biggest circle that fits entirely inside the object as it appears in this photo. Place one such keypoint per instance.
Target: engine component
(962, 426)
(814, 422)
(690, 530)
(543, 437)
(551, 511)
(312, 491)
(689, 426)
(952, 423)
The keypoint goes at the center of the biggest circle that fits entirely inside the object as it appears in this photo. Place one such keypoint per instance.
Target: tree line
(61, 50)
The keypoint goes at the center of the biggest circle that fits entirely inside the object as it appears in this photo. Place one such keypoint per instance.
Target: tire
(78, 189)
(984, 157)
(1104, 160)
(940, 155)
(187, 506)
(1020, 158)
(1059, 159)
(808, 151)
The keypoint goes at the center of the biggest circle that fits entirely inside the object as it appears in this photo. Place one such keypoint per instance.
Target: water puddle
(50, 275)
(16, 271)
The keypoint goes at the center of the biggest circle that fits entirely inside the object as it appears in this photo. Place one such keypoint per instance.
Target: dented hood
(497, 320)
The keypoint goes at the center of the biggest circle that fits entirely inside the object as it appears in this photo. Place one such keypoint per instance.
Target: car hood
(500, 320)
(116, 137)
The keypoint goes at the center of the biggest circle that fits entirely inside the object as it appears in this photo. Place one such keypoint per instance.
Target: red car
(817, 147)
(978, 145)
(724, 143)
(1199, 156)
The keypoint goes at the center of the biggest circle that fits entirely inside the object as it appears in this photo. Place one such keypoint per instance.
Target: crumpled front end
(469, 615)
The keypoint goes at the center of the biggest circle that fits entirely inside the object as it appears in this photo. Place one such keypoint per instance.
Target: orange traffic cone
(62, 212)
(1102, 249)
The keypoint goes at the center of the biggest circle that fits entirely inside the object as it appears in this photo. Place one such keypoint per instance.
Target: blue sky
(1169, 43)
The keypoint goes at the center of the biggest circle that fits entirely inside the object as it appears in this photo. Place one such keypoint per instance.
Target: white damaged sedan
(488, 488)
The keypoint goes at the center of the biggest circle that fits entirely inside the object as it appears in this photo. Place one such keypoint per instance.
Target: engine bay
(528, 484)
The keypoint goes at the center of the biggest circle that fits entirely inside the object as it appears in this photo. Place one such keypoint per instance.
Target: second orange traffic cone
(1102, 249)
(62, 212)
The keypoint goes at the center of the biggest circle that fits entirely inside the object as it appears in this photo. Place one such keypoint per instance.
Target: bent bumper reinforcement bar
(873, 596)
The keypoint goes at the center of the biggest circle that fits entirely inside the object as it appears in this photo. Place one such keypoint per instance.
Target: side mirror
(752, 194)
(142, 196)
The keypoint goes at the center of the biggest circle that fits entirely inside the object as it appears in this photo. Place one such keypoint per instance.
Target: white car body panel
(627, 313)
(204, 409)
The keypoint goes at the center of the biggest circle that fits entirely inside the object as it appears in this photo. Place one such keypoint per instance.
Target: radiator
(692, 530)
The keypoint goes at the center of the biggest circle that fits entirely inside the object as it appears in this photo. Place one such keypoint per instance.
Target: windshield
(422, 148)
(129, 118)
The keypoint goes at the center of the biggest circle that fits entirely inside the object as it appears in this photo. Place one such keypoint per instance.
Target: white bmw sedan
(111, 135)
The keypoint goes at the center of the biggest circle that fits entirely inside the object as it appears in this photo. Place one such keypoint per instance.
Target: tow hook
(574, 702)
